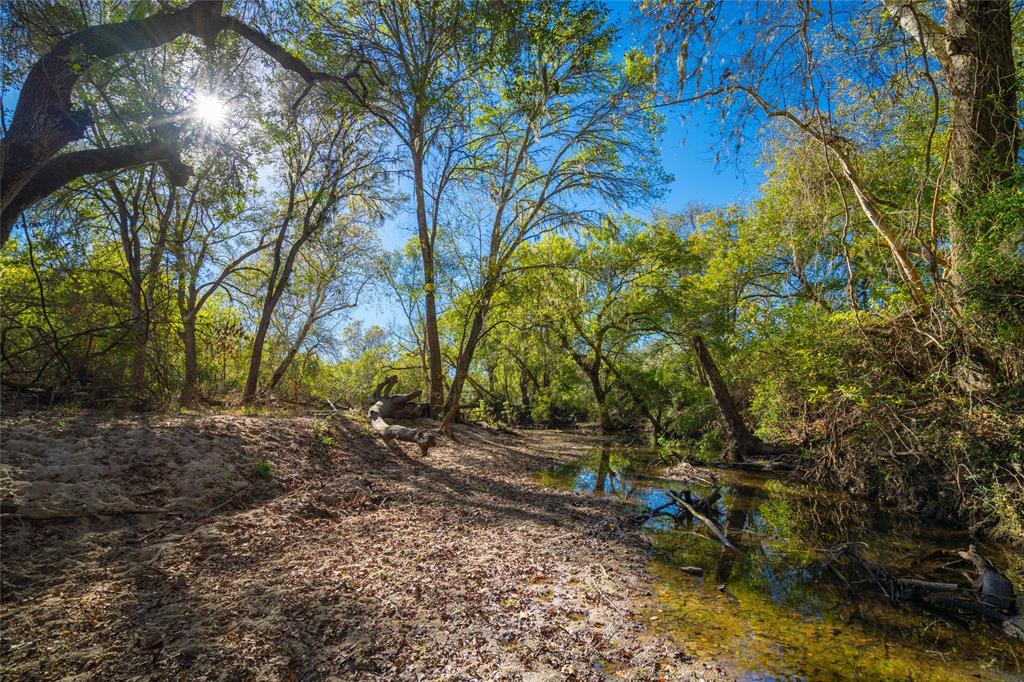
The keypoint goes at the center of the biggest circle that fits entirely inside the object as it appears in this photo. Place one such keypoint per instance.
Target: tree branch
(65, 168)
(44, 122)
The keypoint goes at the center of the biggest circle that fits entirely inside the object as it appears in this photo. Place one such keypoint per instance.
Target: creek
(770, 611)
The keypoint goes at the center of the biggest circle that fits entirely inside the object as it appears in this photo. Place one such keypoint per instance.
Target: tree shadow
(256, 584)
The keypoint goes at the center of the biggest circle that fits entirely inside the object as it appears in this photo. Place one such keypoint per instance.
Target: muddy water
(769, 612)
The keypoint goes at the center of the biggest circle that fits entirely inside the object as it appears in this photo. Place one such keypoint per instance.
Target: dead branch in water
(990, 597)
(703, 519)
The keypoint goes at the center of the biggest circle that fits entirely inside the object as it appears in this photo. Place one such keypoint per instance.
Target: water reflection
(767, 611)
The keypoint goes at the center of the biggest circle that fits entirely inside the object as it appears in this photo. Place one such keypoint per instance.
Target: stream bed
(769, 611)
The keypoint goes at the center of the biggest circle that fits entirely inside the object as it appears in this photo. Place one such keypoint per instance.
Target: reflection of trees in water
(797, 518)
(741, 501)
(615, 469)
(789, 519)
(604, 467)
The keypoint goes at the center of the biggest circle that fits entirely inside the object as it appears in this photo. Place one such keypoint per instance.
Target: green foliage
(323, 440)
(994, 274)
(264, 469)
(534, 135)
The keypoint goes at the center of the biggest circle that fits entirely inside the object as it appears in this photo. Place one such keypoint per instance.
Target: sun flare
(210, 109)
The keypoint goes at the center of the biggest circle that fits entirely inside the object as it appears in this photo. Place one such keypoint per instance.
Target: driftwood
(689, 508)
(387, 406)
(995, 589)
(991, 597)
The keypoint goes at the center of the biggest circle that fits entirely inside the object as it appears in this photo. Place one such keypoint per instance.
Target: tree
(418, 52)
(44, 122)
(564, 131)
(215, 234)
(330, 165)
(742, 444)
(975, 53)
(604, 300)
(788, 63)
(329, 276)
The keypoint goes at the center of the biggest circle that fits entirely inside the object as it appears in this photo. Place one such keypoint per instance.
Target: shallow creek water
(769, 612)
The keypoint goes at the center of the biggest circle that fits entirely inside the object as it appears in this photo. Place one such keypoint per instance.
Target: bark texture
(984, 135)
(430, 330)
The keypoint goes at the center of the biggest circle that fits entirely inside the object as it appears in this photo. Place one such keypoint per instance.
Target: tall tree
(604, 299)
(565, 131)
(330, 164)
(328, 279)
(214, 235)
(975, 51)
(417, 51)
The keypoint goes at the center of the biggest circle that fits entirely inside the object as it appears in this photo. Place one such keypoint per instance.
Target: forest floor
(266, 547)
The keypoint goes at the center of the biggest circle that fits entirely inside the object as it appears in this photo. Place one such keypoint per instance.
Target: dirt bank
(270, 548)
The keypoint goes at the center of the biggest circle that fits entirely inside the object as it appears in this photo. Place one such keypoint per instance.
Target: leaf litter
(153, 547)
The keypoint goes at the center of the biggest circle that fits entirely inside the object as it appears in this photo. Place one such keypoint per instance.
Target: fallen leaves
(359, 564)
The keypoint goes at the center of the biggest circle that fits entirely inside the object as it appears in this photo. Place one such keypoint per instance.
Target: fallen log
(400, 406)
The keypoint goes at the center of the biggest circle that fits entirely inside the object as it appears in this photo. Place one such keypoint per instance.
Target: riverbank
(265, 547)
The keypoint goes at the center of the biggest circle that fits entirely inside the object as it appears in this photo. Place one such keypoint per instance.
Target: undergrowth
(886, 410)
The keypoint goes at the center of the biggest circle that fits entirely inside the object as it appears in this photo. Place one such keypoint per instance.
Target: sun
(210, 109)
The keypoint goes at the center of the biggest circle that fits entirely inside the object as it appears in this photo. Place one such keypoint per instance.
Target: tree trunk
(742, 443)
(293, 350)
(252, 379)
(524, 392)
(436, 396)
(600, 397)
(143, 293)
(462, 367)
(984, 135)
(604, 469)
(188, 337)
(139, 314)
(140, 333)
(654, 418)
(277, 282)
